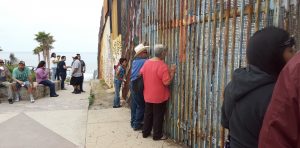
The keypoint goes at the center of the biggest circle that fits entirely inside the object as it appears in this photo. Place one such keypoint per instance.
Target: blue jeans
(117, 92)
(53, 73)
(137, 107)
(51, 85)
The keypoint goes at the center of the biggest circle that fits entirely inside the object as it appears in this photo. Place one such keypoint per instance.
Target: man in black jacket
(62, 71)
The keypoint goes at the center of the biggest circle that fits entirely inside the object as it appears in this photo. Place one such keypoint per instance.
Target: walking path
(48, 123)
(110, 127)
(66, 122)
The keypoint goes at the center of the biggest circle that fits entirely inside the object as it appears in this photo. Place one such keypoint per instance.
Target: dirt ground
(104, 96)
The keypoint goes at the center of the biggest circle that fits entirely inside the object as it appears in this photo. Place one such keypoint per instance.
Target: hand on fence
(173, 68)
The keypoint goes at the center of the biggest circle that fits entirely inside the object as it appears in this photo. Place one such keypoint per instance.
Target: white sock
(17, 96)
(31, 97)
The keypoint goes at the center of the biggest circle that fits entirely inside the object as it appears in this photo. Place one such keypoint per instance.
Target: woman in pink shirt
(157, 78)
(42, 78)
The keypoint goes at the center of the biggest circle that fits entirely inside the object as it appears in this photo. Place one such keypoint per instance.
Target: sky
(74, 24)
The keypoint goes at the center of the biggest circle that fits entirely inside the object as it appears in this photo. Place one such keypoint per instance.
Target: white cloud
(73, 23)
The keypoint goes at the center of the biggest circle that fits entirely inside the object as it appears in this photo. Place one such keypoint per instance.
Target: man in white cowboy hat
(136, 87)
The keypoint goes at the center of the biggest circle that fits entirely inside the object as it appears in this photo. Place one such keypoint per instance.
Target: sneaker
(138, 128)
(83, 91)
(146, 135)
(32, 100)
(56, 95)
(10, 101)
(17, 99)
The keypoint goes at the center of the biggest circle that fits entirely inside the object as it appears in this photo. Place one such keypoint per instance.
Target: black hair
(53, 54)
(63, 57)
(122, 60)
(265, 50)
(41, 64)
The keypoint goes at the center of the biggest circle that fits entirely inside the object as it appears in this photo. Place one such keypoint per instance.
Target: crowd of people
(261, 103)
(149, 88)
(21, 76)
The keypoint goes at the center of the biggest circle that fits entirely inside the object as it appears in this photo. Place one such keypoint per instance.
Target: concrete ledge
(40, 91)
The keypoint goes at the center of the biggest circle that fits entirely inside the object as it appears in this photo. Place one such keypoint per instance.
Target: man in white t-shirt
(76, 79)
(54, 62)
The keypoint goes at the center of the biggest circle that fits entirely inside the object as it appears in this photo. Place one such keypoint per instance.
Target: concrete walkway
(110, 127)
(66, 122)
(48, 123)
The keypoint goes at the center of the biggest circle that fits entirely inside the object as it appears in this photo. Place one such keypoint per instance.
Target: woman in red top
(157, 78)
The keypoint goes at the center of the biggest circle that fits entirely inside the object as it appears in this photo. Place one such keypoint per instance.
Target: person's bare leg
(30, 90)
(16, 92)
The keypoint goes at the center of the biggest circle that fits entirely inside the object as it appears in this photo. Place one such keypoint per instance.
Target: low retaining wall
(40, 91)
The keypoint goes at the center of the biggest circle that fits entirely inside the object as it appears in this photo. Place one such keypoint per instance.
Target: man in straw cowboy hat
(136, 87)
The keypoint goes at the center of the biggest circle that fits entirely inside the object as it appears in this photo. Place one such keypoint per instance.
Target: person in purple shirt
(42, 78)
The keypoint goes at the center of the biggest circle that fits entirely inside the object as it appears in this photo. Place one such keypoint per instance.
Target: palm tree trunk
(39, 57)
(48, 61)
(44, 55)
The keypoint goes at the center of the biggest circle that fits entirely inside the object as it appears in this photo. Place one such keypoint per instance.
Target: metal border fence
(206, 40)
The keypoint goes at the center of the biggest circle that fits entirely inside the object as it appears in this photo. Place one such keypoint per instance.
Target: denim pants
(137, 107)
(53, 73)
(117, 92)
(51, 85)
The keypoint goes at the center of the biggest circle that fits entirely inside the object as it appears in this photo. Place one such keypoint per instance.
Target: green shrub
(33, 76)
(11, 68)
(91, 99)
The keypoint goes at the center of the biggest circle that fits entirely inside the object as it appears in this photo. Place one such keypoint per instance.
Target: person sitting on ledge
(42, 78)
(22, 76)
(4, 74)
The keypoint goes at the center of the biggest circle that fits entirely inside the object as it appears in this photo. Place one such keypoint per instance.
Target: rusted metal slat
(202, 83)
(257, 14)
(189, 11)
(195, 76)
(214, 75)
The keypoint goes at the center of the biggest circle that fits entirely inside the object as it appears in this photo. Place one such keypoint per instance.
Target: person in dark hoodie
(247, 96)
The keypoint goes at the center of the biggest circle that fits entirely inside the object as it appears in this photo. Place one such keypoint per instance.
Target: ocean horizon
(90, 59)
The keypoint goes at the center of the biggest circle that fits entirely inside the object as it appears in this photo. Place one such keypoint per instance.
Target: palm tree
(37, 51)
(46, 40)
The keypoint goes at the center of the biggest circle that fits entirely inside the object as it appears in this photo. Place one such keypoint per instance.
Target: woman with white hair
(157, 78)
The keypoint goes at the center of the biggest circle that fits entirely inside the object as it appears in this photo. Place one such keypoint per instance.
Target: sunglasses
(289, 43)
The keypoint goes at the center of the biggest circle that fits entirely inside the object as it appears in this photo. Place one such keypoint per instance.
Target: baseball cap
(22, 62)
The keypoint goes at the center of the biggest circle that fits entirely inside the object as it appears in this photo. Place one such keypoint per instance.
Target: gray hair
(159, 49)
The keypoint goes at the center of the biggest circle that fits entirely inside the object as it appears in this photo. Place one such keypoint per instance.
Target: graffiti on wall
(116, 48)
